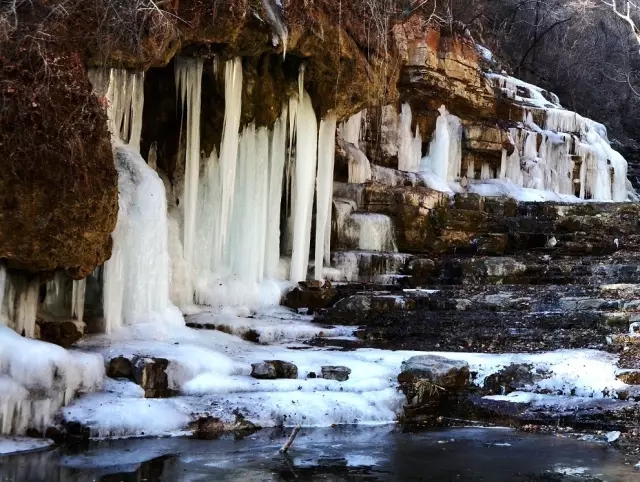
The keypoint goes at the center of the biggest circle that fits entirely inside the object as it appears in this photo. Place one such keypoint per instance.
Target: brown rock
(120, 367)
(313, 296)
(630, 377)
(207, 428)
(150, 374)
(60, 332)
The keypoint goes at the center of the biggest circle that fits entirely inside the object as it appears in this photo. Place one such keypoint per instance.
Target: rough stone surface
(443, 372)
(272, 369)
(338, 373)
(150, 374)
(509, 379)
(58, 183)
(61, 332)
(120, 367)
(307, 295)
(629, 377)
(207, 428)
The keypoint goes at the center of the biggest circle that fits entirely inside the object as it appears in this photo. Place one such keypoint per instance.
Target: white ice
(211, 370)
(12, 445)
(37, 378)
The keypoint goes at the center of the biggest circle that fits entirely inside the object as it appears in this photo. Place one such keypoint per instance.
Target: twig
(292, 437)
(289, 464)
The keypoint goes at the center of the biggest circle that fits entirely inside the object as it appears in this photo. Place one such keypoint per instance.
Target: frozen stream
(347, 453)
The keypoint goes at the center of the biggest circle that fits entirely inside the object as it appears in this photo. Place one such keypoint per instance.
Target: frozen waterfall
(136, 278)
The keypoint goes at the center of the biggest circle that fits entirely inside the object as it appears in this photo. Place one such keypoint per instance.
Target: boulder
(629, 377)
(61, 332)
(207, 428)
(310, 295)
(150, 373)
(273, 369)
(120, 367)
(427, 376)
(338, 373)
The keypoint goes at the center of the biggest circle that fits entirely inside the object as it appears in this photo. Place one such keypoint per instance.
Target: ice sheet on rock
(12, 445)
(37, 378)
(485, 52)
(524, 92)
(274, 326)
(581, 373)
(109, 415)
(504, 187)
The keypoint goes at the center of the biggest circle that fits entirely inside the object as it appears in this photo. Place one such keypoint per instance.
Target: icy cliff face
(495, 133)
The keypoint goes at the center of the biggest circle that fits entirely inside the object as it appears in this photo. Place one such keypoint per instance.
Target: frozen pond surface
(381, 453)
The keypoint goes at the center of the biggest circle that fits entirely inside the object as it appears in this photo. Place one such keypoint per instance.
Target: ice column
(445, 149)
(326, 154)
(19, 302)
(409, 146)
(77, 299)
(248, 231)
(136, 278)
(277, 160)
(188, 72)
(228, 154)
(305, 171)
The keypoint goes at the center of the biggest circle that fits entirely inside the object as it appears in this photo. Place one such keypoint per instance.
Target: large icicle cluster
(567, 154)
(445, 150)
(237, 211)
(409, 145)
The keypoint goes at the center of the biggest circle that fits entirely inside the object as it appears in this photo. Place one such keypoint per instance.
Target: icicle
(306, 150)
(54, 300)
(188, 73)
(301, 91)
(20, 304)
(326, 154)
(3, 283)
(471, 169)
(248, 236)
(77, 299)
(439, 147)
(124, 93)
(351, 130)
(485, 171)
(228, 154)
(445, 149)
(276, 167)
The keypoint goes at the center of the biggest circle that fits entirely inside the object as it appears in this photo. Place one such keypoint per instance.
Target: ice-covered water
(346, 453)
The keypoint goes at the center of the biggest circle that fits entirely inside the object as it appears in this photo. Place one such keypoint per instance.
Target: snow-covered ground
(211, 370)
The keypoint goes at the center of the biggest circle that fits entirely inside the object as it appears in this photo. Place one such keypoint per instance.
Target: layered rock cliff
(59, 184)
